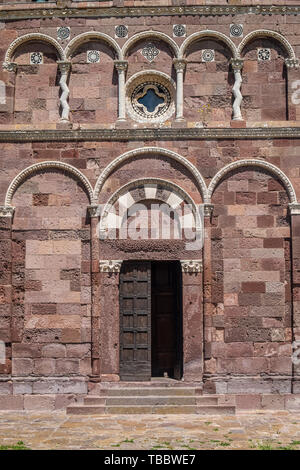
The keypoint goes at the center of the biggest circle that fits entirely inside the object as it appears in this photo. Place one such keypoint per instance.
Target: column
(8, 102)
(179, 65)
(192, 320)
(6, 214)
(109, 320)
(293, 87)
(207, 295)
(237, 65)
(95, 286)
(64, 69)
(121, 66)
(295, 234)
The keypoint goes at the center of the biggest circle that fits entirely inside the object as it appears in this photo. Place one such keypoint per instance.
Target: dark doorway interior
(166, 319)
(150, 320)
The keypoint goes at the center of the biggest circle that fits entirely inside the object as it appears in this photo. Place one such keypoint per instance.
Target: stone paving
(55, 430)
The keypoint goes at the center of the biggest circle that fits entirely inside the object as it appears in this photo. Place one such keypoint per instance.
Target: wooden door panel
(135, 321)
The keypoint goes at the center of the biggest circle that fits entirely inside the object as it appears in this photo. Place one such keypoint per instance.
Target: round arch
(144, 151)
(207, 34)
(265, 33)
(174, 196)
(33, 37)
(272, 169)
(150, 34)
(30, 170)
(90, 35)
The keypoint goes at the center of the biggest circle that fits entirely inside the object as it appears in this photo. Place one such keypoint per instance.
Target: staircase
(154, 400)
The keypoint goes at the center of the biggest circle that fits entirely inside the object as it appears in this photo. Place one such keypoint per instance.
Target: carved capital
(121, 65)
(10, 66)
(179, 64)
(6, 211)
(294, 208)
(191, 266)
(93, 211)
(236, 64)
(292, 63)
(64, 67)
(208, 209)
(110, 266)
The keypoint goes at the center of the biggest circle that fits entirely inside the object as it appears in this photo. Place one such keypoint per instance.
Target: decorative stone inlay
(191, 265)
(150, 97)
(93, 57)
(150, 36)
(150, 51)
(36, 58)
(294, 208)
(121, 31)
(63, 33)
(179, 30)
(263, 54)
(208, 55)
(110, 266)
(6, 211)
(236, 30)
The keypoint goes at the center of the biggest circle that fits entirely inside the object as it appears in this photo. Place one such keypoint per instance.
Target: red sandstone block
(273, 243)
(44, 367)
(22, 367)
(253, 287)
(245, 197)
(248, 402)
(11, 402)
(39, 402)
(54, 350)
(267, 198)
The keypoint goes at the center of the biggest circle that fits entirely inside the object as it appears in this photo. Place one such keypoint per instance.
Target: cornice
(118, 135)
(121, 12)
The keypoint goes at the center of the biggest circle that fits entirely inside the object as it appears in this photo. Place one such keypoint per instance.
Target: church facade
(149, 185)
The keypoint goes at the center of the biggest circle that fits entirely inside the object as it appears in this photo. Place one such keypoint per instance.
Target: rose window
(150, 99)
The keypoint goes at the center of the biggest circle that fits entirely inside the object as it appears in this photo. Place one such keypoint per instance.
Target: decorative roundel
(208, 55)
(63, 32)
(264, 54)
(236, 30)
(36, 58)
(121, 31)
(150, 97)
(179, 30)
(93, 57)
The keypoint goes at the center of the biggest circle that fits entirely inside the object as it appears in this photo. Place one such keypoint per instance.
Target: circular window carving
(150, 97)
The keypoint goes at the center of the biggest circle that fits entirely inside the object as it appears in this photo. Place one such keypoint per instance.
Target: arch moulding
(147, 151)
(266, 33)
(150, 34)
(33, 37)
(30, 170)
(207, 34)
(272, 169)
(89, 36)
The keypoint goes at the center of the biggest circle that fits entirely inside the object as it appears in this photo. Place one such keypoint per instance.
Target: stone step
(85, 410)
(157, 409)
(145, 391)
(206, 400)
(148, 400)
